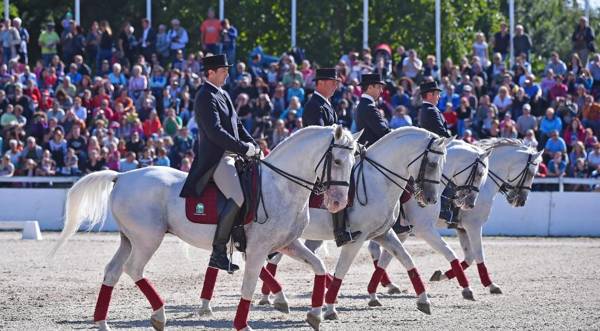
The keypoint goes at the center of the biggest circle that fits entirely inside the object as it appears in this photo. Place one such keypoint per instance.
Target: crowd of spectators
(98, 99)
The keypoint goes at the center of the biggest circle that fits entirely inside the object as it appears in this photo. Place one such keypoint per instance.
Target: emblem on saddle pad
(199, 209)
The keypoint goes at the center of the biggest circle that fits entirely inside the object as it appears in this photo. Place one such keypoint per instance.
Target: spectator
(591, 114)
(7, 168)
(574, 133)
(292, 75)
(549, 123)
(503, 101)
(400, 118)
(163, 44)
(48, 41)
(186, 165)
(70, 164)
(412, 65)
(178, 38)
(464, 113)
(468, 136)
(47, 166)
(210, 33)
(21, 47)
(502, 41)
(279, 133)
(579, 171)
(152, 125)
(105, 45)
(526, 122)
(137, 83)
(578, 152)
(557, 166)
(593, 158)
(522, 42)
(583, 39)
(295, 90)
(530, 140)
(480, 49)
(128, 163)
(172, 122)
(229, 35)
(162, 159)
(554, 144)
(147, 40)
(555, 64)
(31, 151)
(147, 158)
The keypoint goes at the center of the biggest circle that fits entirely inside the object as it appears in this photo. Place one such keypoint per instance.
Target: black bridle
(320, 186)
(469, 182)
(389, 174)
(506, 186)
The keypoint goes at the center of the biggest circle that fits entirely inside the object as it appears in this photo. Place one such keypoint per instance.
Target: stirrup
(345, 237)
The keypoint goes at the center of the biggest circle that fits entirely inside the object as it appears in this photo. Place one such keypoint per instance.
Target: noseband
(468, 185)
(507, 187)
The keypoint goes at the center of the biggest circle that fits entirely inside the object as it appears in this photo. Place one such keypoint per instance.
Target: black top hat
(370, 79)
(215, 62)
(327, 74)
(429, 87)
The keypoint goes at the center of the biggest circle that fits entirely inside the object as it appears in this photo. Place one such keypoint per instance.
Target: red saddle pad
(203, 209)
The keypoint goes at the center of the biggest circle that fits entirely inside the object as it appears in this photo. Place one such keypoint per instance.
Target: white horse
(466, 169)
(146, 206)
(513, 166)
(386, 166)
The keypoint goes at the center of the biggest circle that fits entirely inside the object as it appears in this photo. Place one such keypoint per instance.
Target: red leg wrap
(450, 273)
(416, 281)
(102, 304)
(464, 265)
(272, 268)
(385, 279)
(332, 290)
(460, 274)
(483, 274)
(241, 316)
(328, 279)
(150, 292)
(318, 294)
(270, 281)
(210, 279)
(375, 279)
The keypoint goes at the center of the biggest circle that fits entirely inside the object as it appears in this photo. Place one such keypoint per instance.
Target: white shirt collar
(366, 96)
(323, 97)
(213, 85)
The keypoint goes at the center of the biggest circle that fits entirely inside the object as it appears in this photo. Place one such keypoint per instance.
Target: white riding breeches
(227, 179)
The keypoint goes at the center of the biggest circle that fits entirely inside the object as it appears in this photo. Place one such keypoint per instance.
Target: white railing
(561, 181)
(41, 179)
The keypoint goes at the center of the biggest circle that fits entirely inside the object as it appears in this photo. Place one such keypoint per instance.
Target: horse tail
(86, 200)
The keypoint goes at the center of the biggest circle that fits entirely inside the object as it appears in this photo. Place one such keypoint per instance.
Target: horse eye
(337, 162)
(432, 164)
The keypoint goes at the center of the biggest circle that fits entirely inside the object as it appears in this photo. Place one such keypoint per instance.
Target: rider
(368, 116)
(431, 119)
(318, 111)
(221, 136)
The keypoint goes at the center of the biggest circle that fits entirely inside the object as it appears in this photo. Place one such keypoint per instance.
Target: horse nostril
(336, 204)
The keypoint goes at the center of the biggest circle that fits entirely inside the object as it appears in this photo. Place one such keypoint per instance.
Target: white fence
(546, 213)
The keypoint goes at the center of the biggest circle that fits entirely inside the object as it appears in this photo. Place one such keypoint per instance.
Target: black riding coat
(318, 112)
(431, 119)
(369, 118)
(220, 130)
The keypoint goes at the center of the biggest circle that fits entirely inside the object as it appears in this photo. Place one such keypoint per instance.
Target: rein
(468, 185)
(318, 187)
(387, 173)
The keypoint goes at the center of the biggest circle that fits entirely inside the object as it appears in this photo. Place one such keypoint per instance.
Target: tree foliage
(327, 29)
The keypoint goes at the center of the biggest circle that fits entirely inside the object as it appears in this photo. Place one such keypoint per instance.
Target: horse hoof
(375, 303)
(331, 316)
(282, 307)
(468, 294)
(393, 289)
(494, 289)
(313, 320)
(425, 307)
(103, 326)
(264, 302)
(436, 277)
(205, 311)
(157, 325)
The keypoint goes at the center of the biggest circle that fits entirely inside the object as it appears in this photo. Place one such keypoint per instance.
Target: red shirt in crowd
(151, 126)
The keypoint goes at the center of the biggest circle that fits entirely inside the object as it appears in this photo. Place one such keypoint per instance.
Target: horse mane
(493, 143)
(400, 132)
(346, 136)
(462, 143)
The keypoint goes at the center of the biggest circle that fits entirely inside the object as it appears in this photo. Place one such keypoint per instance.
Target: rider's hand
(252, 150)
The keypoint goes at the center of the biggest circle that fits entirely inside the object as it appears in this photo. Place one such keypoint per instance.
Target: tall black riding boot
(342, 236)
(218, 258)
(446, 208)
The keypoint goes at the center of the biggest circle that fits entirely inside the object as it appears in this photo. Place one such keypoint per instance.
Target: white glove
(252, 150)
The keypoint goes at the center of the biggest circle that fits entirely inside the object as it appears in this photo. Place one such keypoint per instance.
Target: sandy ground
(547, 284)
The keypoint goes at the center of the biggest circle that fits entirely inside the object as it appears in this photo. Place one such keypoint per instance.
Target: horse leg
(345, 260)
(465, 244)
(476, 242)
(280, 303)
(254, 263)
(376, 255)
(298, 251)
(433, 238)
(392, 244)
(272, 269)
(210, 280)
(141, 253)
(112, 273)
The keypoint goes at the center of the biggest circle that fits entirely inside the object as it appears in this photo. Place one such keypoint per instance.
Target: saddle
(205, 208)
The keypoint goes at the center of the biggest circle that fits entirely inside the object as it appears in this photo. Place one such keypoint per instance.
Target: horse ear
(539, 154)
(357, 135)
(339, 131)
